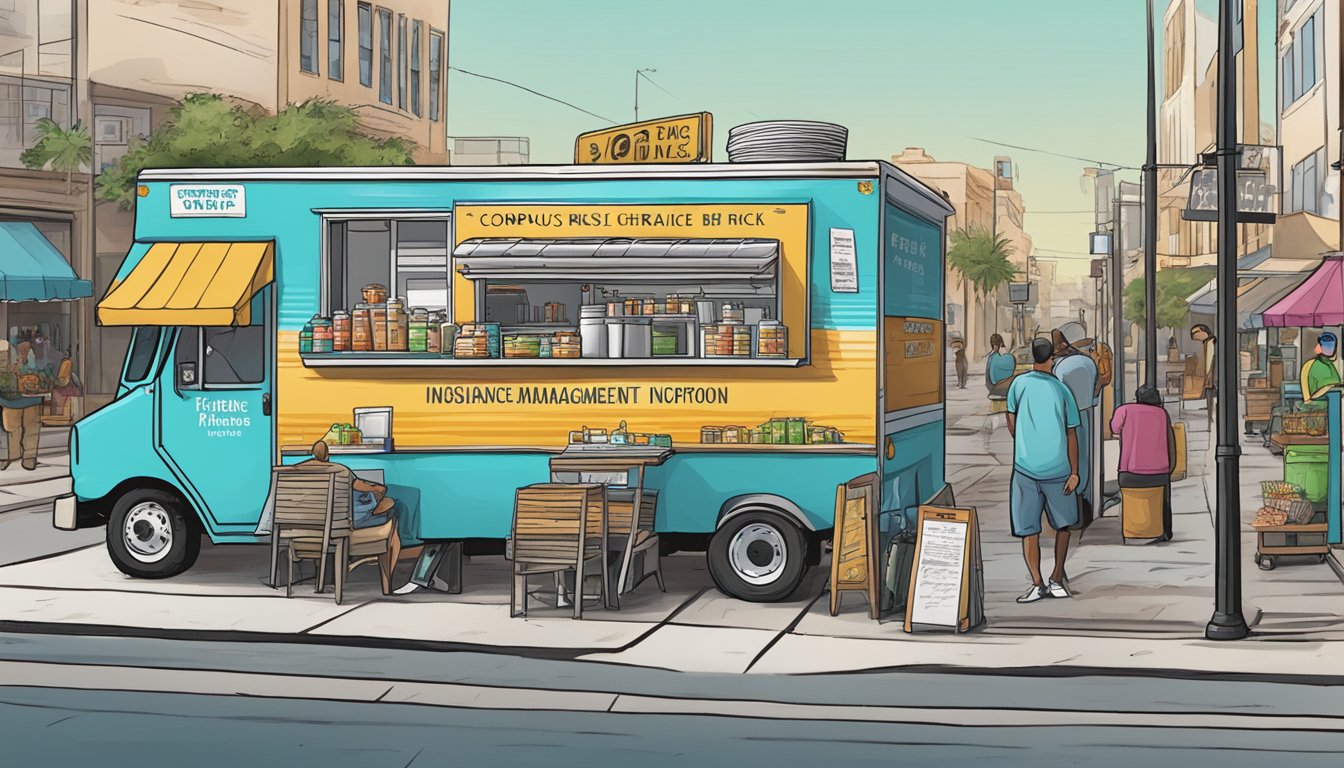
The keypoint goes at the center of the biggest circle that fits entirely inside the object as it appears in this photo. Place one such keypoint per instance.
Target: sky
(1067, 76)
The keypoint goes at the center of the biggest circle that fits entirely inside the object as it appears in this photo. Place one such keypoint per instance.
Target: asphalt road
(71, 727)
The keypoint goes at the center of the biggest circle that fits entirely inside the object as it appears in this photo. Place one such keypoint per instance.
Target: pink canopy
(1318, 302)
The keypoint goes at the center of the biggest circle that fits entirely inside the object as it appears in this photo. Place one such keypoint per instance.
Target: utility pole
(638, 74)
(1150, 217)
(1227, 622)
(1117, 303)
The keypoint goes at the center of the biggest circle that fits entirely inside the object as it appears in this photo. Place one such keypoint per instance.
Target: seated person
(370, 502)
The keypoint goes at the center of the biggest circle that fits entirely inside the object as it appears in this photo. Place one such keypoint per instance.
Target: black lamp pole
(1150, 219)
(1227, 622)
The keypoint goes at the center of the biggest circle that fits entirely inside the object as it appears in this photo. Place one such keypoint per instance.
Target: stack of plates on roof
(776, 141)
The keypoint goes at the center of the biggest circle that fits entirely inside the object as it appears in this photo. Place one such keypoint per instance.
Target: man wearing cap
(1319, 373)
(1078, 372)
(1043, 420)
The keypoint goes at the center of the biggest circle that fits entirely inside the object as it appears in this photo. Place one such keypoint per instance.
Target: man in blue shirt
(1043, 420)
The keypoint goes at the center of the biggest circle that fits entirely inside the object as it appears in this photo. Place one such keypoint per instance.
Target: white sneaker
(1037, 592)
(1057, 589)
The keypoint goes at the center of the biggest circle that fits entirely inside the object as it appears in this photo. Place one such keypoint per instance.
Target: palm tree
(981, 262)
(64, 150)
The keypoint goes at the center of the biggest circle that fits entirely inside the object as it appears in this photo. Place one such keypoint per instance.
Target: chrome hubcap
(148, 534)
(757, 554)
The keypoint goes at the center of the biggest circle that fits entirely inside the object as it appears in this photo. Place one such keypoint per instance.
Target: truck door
(216, 423)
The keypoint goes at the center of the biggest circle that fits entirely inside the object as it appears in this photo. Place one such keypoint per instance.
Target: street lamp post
(1227, 622)
(1150, 218)
(638, 74)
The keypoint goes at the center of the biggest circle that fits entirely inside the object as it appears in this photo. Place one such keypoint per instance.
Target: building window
(365, 45)
(384, 56)
(435, 72)
(22, 104)
(401, 61)
(410, 255)
(335, 36)
(308, 36)
(417, 32)
(1307, 184)
(1301, 61)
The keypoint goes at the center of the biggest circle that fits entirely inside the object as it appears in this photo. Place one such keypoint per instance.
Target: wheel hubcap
(148, 533)
(758, 554)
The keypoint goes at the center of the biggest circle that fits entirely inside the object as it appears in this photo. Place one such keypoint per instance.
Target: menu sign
(947, 586)
(844, 262)
(681, 139)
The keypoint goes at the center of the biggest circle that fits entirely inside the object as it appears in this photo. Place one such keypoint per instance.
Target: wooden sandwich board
(947, 586)
(854, 550)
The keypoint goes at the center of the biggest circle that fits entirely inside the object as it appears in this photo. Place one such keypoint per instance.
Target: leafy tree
(207, 132)
(64, 150)
(1174, 288)
(981, 261)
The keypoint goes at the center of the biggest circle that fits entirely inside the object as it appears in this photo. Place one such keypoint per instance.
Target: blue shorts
(1031, 497)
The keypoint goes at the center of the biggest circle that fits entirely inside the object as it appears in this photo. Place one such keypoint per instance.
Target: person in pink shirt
(1147, 447)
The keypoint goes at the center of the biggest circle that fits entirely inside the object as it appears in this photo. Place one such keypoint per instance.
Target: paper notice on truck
(844, 262)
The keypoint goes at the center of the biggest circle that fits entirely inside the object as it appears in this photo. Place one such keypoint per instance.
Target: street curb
(118, 678)
(575, 654)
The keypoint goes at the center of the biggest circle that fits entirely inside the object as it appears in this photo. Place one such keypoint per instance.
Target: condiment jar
(379, 335)
(398, 326)
(322, 336)
(417, 336)
(433, 334)
(306, 338)
(340, 331)
(361, 329)
(447, 336)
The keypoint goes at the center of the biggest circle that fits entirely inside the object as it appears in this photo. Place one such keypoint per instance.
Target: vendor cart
(1288, 526)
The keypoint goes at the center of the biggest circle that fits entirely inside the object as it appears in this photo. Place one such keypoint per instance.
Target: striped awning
(186, 284)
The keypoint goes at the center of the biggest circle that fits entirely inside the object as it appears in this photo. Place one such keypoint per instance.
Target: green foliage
(207, 132)
(64, 150)
(1174, 288)
(981, 260)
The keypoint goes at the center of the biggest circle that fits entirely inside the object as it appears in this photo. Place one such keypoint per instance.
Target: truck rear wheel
(151, 535)
(757, 556)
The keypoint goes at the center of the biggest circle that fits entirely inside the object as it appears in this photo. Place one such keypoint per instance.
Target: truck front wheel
(757, 556)
(151, 535)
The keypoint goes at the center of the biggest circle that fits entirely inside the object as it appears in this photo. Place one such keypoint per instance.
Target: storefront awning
(621, 259)
(1316, 303)
(190, 284)
(1258, 287)
(31, 269)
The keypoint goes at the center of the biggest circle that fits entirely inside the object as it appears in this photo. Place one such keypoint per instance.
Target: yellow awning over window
(191, 284)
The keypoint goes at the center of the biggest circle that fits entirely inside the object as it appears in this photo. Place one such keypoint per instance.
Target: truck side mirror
(186, 374)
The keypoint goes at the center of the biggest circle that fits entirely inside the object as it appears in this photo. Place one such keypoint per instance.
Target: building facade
(1309, 126)
(385, 58)
(1187, 125)
(984, 199)
(43, 74)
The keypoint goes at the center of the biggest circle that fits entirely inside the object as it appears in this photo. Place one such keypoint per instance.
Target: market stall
(1310, 436)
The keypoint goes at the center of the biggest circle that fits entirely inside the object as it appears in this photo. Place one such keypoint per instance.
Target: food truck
(777, 327)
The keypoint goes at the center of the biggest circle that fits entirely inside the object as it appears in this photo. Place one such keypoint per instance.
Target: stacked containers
(306, 337)
(322, 335)
(379, 314)
(569, 345)
(773, 339)
(417, 333)
(434, 334)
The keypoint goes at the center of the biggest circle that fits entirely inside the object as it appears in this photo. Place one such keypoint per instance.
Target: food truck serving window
(406, 255)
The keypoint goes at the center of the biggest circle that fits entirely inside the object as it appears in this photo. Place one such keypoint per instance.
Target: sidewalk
(1137, 609)
(24, 489)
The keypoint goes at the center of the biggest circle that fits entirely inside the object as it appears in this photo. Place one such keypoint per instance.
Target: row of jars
(379, 328)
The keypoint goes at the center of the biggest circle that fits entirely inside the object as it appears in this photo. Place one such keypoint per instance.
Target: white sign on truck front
(207, 201)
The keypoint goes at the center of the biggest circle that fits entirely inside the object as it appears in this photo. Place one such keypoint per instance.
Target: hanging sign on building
(681, 139)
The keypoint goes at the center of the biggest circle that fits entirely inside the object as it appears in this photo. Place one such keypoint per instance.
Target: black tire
(771, 542)
(150, 513)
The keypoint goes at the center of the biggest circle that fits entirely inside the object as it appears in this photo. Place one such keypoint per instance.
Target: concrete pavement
(1140, 609)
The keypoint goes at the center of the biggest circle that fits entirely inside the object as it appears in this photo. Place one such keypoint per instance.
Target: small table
(616, 458)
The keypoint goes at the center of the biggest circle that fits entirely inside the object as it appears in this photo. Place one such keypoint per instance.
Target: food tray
(1277, 489)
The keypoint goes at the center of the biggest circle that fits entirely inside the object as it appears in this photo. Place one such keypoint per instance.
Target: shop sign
(207, 201)
(681, 139)
(608, 220)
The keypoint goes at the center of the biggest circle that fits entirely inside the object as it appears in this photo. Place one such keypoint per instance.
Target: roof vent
(787, 141)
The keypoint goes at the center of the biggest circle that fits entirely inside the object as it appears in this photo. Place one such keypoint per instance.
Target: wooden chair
(633, 540)
(313, 516)
(558, 528)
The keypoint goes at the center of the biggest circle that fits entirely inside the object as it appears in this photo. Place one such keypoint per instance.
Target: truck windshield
(140, 358)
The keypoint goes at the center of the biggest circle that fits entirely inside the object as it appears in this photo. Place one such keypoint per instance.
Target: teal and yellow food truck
(778, 326)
